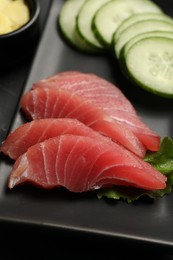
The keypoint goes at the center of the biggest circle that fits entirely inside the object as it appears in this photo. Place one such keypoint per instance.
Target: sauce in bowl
(13, 15)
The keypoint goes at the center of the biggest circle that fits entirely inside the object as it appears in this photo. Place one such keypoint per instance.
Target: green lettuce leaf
(162, 160)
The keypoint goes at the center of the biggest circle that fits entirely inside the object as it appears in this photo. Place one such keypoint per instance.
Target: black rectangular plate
(145, 223)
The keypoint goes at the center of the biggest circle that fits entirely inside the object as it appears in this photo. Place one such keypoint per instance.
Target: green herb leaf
(163, 159)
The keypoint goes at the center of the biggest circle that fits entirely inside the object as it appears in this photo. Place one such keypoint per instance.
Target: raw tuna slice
(64, 74)
(59, 103)
(28, 134)
(107, 96)
(82, 164)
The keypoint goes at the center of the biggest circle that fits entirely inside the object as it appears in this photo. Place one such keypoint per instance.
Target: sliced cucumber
(128, 45)
(149, 64)
(67, 24)
(140, 17)
(137, 28)
(109, 16)
(84, 21)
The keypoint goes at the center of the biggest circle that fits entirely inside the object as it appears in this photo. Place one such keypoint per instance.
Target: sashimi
(82, 164)
(59, 103)
(30, 133)
(91, 86)
(62, 74)
(107, 96)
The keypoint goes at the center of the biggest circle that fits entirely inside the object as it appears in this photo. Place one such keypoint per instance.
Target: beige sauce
(13, 15)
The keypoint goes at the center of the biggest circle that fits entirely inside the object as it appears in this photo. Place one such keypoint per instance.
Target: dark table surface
(30, 242)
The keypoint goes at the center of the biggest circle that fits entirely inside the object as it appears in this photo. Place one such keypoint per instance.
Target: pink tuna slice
(107, 96)
(59, 103)
(82, 164)
(30, 133)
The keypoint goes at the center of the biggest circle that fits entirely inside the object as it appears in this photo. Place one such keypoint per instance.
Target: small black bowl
(17, 45)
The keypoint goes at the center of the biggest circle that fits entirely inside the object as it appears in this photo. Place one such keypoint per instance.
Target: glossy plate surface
(147, 222)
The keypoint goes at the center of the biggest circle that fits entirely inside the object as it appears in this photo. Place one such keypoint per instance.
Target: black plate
(144, 224)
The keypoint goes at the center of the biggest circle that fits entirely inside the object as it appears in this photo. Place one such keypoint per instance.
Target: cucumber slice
(137, 28)
(84, 21)
(140, 17)
(67, 25)
(109, 16)
(128, 45)
(149, 64)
